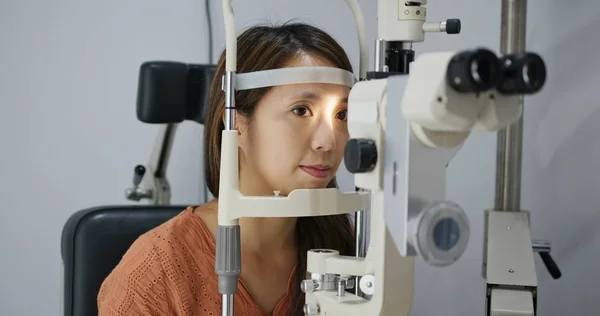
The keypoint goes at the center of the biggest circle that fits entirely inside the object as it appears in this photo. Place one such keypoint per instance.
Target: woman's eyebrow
(306, 95)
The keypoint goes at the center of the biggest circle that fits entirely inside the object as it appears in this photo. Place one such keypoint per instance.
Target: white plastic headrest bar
(293, 75)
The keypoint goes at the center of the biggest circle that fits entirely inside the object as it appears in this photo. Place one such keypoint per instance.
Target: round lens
(481, 71)
(531, 76)
(446, 234)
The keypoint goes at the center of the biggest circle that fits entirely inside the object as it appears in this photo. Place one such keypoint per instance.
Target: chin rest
(93, 242)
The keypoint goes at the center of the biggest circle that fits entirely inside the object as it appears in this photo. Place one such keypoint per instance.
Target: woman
(290, 137)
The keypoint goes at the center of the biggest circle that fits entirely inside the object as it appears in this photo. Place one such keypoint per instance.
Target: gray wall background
(70, 138)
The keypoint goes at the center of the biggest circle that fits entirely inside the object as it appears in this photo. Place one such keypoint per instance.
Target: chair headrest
(171, 92)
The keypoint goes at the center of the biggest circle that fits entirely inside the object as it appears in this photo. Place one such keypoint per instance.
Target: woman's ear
(241, 123)
(244, 139)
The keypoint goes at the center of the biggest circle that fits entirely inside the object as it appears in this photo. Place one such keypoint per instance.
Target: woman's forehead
(312, 91)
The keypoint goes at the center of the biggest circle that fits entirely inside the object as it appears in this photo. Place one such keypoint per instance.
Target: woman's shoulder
(158, 259)
(185, 233)
(187, 229)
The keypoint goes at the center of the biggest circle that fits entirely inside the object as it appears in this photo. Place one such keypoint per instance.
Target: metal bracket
(508, 264)
(509, 267)
(150, 182)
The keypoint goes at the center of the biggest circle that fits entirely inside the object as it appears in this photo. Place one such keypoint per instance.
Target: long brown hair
(269, 47)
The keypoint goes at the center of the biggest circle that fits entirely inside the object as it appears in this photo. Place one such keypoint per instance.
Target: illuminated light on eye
(331, 103)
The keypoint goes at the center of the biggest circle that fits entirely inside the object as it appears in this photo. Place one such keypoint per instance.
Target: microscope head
(473, 90)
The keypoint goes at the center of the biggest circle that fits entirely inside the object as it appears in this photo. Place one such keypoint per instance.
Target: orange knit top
(170, 270)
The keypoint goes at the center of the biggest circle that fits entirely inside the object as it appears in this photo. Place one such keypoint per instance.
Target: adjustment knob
(308, 286)
(453, 26)
(360, 155)
(138, 174)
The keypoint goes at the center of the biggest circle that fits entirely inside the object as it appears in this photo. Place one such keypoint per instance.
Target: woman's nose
(323, 137)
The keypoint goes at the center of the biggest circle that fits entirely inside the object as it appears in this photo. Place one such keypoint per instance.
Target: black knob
(360, 155)
(453, 26)
(550, 265)
(138, 174)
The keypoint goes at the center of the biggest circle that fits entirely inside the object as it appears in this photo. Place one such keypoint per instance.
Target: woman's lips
(317, 171)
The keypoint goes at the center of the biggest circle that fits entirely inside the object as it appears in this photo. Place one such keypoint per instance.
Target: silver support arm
(508, 263)
(150, 181)
(510, 140)
(509, 268)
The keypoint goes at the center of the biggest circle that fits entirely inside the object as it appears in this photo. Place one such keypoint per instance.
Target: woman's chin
(316, 184)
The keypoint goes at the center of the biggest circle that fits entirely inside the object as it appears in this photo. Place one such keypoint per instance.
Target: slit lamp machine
(407, 118)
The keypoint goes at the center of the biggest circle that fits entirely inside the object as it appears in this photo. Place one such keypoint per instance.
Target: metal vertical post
(510, 140)
(227, 305)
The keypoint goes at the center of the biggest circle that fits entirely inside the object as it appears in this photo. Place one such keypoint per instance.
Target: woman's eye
(301, 111)
(342, 115)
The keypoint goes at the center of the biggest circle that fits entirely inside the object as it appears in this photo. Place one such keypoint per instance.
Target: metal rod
(541, 245)
(379, 55)
(205, 189)
(341, 287)
(360, 222)
(360, 232)
(510, 140)
(229, 87)
(161, 152)
(227, 305)
(360, 235)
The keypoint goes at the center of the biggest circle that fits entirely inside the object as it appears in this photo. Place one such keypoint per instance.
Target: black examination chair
(95, 239)
(93, 242)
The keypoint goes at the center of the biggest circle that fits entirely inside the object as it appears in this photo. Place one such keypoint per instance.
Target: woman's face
(297, 136)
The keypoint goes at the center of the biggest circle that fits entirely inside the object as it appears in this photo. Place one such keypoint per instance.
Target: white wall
(562, 166)
(70, 136)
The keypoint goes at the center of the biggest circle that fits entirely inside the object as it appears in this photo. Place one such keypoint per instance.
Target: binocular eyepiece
(524, 73)
(480, 70)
